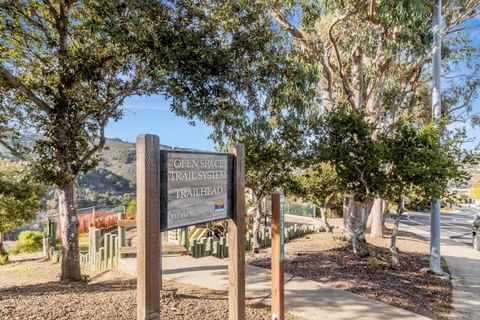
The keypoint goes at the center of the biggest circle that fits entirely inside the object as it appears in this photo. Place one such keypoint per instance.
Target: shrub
(28, 241)
(3, 256)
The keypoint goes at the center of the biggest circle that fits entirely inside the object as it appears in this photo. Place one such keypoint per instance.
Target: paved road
(454, 226)
(456, 248)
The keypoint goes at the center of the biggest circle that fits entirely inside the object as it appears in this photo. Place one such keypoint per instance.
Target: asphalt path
(456, 226)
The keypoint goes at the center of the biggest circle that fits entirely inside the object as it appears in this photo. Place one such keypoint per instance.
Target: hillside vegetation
(111, 183)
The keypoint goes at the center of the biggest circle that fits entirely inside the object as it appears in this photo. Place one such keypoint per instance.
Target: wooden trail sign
(195, 188)
(278, 255)
(177, 189)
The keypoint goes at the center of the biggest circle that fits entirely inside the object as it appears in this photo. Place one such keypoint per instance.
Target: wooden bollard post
(94, 217)
(149, 278)
(278, 300)
(121, 230)
(236, 239)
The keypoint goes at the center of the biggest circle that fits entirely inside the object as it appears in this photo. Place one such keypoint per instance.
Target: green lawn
(83, 241)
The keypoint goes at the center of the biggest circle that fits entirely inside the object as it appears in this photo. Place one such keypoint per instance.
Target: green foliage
(52, 204)
(28, 241)
(271, 152)
(20, 196)
(344, 140)
(412, 158)
(318, 184)
(299, 209)
(70, 70)
(424, 160)
(131, 209)
(476, 190)
(3, 256)
(101, 181)
(463, 198)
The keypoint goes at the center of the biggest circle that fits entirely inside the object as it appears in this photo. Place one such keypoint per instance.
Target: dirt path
(328, 260)
(29, 289)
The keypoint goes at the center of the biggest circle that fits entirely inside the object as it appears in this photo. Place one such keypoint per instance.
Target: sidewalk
(464, 266)
(304, 298)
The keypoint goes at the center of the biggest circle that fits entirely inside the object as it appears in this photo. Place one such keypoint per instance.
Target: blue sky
(152, 115)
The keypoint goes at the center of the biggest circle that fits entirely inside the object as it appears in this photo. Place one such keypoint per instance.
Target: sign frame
(149, 245)
(282, 226)
(229, 214)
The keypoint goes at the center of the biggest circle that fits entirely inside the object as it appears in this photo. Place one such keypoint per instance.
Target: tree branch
(346, 87)
(52, 10)
(290, 28)
(27, 93)
(17, 154)
(95, 148)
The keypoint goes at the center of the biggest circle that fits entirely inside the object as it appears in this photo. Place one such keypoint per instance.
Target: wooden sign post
(149, 245)
(278, 255)
(236, 240)
(177, 189)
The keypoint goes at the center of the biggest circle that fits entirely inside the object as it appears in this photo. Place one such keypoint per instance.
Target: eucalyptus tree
(67, 66)
(372, 56)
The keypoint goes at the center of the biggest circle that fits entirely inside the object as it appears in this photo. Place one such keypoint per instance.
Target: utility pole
(435, 265)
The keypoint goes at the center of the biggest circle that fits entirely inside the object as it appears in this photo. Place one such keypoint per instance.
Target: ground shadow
(373, 277)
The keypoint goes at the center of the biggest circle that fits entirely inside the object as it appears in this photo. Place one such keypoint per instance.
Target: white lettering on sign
(197, 188)
(199, 164)
(199, 192)
(196, 175)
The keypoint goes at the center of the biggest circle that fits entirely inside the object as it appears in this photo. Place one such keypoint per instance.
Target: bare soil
(325, 258)
(30, 289)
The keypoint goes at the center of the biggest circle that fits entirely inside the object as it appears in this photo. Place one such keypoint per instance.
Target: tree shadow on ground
(59, 287)
(373, 277)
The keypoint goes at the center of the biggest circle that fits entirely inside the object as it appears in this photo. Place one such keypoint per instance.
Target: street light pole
(435, 264)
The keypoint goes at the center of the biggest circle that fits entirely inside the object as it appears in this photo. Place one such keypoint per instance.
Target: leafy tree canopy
(424, 159)
(318, 184)
(69, 65)
(20, 196)
(344, 139)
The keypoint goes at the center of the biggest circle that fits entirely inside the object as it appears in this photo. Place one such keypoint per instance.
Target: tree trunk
(1, 241)
(70, 228)
(386, 204)
(393, 239)
(355, 218)
(256, 227)
(325, 225)
(376, 219)
(348, 206)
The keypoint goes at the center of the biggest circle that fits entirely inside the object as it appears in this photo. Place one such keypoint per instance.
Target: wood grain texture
(149, 281)
(127, 223)
(278, 300)
(236, 239)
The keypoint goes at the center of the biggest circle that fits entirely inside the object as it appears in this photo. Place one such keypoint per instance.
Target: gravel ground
(324, 258)
(29, 289)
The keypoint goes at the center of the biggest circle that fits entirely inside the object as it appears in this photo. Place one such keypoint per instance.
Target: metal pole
(435, 265)
(278, 255)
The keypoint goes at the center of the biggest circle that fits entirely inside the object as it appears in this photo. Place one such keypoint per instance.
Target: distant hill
(111, 183)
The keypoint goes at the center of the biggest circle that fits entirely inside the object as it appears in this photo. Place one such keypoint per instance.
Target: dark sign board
(195, 188)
